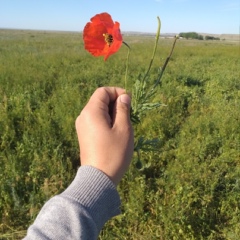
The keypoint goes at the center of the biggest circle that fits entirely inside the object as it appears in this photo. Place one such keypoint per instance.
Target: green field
(187, 186)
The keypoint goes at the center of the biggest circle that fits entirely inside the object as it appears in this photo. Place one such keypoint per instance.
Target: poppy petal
(94, 36)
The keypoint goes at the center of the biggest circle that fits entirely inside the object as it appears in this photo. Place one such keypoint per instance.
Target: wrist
(93, 190)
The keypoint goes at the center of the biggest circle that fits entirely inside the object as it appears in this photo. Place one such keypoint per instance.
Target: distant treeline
(194, 35)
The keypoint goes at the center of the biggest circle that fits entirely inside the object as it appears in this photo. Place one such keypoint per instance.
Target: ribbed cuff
(96, 193)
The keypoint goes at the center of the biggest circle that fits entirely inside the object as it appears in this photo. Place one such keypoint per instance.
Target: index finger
(106, 95)
(101, 103)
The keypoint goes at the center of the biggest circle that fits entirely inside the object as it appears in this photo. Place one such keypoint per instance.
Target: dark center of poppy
(108, 39)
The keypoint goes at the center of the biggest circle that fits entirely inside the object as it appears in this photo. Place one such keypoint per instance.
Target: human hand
(105, 132)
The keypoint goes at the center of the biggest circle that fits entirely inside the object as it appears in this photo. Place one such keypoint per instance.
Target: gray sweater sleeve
(80, 211)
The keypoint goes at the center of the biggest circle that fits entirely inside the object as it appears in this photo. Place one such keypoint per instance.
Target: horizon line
(130, 31)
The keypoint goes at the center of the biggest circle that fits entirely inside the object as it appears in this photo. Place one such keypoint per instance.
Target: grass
(187, 188)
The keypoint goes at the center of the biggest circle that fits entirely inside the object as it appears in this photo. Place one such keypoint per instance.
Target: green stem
(165, 64)
(127, 64)
(155, 48)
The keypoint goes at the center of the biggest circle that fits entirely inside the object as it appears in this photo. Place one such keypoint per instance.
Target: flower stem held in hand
(165, 63)
(155, 48)
(127, 63)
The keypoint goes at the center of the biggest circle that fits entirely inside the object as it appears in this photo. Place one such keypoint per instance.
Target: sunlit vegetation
(188, 188)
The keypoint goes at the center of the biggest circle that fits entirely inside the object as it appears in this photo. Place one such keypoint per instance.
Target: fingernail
(124, 98)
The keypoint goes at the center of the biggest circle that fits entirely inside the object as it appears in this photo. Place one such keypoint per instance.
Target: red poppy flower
(102, 37)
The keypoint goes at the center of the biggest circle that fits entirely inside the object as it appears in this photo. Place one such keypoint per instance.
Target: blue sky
(202, 16)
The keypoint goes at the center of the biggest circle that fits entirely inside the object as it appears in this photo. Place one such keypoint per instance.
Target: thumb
(122, 111)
